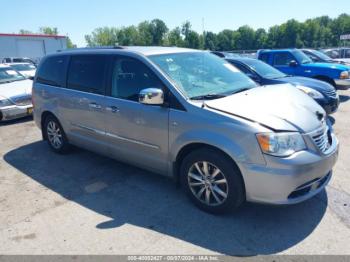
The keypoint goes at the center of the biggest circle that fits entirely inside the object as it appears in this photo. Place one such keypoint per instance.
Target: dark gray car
(189, 115)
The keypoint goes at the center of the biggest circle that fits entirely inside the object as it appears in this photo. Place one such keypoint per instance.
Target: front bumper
(342, 83)
(329, 105)
(290, 180)
(15, 111)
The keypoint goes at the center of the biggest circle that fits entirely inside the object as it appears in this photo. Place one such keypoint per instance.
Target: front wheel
(212, 181)
(55, 135)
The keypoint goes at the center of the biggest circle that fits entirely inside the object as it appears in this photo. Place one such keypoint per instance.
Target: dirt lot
(83, 203)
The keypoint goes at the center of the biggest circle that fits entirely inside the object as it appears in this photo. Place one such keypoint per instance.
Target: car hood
(17, 88)
(335, 66)
(309, 82)
(28, 72)
(279, 107)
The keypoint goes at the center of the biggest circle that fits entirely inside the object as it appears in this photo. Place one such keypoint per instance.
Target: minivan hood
(17, 88)
(279, 107)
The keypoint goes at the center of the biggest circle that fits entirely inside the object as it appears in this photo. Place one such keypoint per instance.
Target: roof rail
(92, 48)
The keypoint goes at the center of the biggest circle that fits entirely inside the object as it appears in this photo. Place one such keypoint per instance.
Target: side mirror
(293, 63)
(31, 78)
(151, 96)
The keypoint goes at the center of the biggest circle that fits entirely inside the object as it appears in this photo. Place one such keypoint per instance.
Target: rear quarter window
(53, 71)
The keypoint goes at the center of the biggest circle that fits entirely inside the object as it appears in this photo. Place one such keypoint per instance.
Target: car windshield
(23, 67)
(301, 57)
(321, 55)
(8, 74)
(263, 69)
(201, 74)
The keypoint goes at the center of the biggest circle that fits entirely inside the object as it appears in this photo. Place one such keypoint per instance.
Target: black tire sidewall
(236, 192)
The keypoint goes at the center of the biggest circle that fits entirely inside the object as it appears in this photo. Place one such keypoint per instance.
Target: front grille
(22, 100)
(323, 139)
(331, 92)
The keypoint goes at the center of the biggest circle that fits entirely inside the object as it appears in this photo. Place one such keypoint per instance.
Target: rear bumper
(342, 83)
(289, 180)
(14, 112)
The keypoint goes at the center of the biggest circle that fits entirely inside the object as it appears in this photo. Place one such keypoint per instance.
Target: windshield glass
(301, 57)
(201, 74)
(23, 67)
(264, 70)
(321, 55)
(8, 74)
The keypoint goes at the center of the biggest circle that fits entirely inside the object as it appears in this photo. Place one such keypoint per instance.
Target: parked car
(264, 74)
(9, 60)
(192, 116)
(339, 54)
(26, 69)
(15, 94)
(295, 62)
(224, 54)
(318, 56)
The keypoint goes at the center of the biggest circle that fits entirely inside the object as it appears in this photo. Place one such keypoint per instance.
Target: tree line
(314, 33)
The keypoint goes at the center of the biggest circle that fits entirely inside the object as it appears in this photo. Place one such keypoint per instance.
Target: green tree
(210, 41)
(175, 38)
(158, 30)
(48, 30)
(103, 36)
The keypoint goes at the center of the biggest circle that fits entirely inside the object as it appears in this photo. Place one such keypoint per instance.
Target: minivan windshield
(8, 74)
(203, 75)
(264, 70)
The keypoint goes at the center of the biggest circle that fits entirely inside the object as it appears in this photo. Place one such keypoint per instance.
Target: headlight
(311, 92)
(5, 102)
(281, 144)
(344, 75)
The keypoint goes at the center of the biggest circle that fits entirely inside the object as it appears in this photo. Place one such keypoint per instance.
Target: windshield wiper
(207, 97)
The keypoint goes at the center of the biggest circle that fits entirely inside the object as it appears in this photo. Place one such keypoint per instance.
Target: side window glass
(53, 71)
(264, 57)
(87, 73)
(347, 53)
(282, 59)
(129, 77)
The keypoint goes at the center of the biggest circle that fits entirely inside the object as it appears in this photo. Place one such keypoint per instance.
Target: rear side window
(87, 73)
(242, 68)
(283, 59)
(53, 71)
(264, 57)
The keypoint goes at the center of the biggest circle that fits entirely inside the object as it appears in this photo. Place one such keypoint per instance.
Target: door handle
(112, 109)
(95, 106)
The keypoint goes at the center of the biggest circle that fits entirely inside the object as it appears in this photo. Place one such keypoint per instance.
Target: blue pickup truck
(295, 62)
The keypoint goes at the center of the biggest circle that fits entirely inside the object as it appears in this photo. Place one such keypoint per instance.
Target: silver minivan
(189, 115)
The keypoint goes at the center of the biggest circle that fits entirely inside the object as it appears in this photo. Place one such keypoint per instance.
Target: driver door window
(283, 59)
(129, 77)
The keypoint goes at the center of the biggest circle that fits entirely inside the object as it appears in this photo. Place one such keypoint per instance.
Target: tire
(223, 185)
(55, 136)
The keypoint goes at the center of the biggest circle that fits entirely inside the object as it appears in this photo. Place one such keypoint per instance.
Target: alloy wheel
(207, 183)
(54, 134)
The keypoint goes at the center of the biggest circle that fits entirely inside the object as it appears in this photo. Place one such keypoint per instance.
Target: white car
(15, 94)
(26, 69)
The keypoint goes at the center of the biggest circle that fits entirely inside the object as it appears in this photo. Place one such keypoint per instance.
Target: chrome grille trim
(320, 138)
(332, 93)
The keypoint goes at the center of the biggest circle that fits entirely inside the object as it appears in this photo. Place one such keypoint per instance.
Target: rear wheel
(55, 135)
(212, 181)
